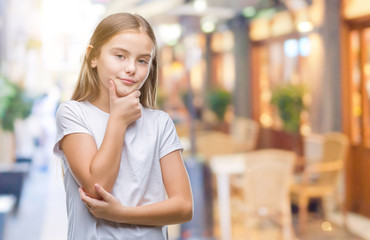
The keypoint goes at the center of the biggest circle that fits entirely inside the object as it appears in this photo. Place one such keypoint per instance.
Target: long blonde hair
(87, 87)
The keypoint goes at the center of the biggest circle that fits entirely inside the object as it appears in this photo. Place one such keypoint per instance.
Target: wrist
(122, 214)
(118, 122)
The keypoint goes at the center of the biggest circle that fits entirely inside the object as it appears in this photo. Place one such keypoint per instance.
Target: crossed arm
(97, 174)
(177, 208)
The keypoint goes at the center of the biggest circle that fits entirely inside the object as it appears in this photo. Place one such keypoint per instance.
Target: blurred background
(249, 84)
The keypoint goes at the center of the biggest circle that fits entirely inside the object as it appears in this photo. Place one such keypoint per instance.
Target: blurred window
(360, 85)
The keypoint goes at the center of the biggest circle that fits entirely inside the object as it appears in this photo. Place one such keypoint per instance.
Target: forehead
(135, 41)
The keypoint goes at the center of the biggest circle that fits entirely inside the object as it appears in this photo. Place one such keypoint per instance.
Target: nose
(130, 67)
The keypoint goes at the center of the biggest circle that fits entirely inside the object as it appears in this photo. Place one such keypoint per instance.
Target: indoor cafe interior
(270, 100)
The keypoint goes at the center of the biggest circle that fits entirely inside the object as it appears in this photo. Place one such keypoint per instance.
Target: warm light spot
(266, 96)
(305, 26)
(305, 130)
(266, 120)
(307, 99)
(326, 226)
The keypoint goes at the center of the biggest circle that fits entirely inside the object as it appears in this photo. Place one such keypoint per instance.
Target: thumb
(112, 90)
(102, 193)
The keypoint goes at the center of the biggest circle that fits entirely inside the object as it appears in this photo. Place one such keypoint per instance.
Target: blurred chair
(245, 131)
(266, 201)
(320, 177)
(312, 148)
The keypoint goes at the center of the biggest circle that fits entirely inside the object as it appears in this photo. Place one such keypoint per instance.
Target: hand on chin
(122, 90)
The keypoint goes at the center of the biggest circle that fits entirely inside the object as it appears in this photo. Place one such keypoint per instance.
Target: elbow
(90, 190)
(189, 215)
(188, 212)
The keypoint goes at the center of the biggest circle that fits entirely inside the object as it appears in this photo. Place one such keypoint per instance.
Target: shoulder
(72, 105)
(70, 108)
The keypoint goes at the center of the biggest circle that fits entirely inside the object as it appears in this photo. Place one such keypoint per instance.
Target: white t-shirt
(139, 180)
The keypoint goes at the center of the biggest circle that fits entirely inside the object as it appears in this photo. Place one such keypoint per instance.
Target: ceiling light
(169, 33)
(208, 24)
(200, 5)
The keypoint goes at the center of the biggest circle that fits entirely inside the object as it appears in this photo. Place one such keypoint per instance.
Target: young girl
(124, 175)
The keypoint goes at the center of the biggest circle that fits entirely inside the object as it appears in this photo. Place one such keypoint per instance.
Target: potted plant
(288, 99)
(218, 100)
(14, 104)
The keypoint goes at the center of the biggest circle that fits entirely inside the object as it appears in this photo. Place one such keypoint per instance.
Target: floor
(42, 216)
(317, 228)
(42, 212)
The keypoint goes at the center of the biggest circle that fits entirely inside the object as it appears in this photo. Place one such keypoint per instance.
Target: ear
(93, 61)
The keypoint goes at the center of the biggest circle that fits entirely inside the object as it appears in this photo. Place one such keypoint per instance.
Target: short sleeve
(169, 141)
(68, 120)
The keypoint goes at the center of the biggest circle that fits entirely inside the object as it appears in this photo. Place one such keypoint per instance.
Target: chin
(124, 91)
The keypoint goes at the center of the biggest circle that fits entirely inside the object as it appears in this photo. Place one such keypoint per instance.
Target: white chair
(267, 180)
(320, 178)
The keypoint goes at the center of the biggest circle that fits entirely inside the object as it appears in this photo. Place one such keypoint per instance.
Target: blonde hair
(87, 87)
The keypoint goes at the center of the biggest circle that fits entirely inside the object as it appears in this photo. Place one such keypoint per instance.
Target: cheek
(107, 71)
(145, 75)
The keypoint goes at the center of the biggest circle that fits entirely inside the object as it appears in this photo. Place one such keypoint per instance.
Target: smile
(127, 81)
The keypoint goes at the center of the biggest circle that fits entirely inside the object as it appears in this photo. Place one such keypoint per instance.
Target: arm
(90, 165)
(177, 208)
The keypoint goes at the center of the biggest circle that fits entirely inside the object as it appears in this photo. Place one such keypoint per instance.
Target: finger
(85, 198)
(101, 191)
(88, 207)
(83, 195)
(135, 93)
(112, 90)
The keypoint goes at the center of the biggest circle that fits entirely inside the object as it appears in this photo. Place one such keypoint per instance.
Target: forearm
(105, 165)
(170, 211)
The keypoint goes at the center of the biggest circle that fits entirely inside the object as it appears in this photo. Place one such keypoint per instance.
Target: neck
(102, 102)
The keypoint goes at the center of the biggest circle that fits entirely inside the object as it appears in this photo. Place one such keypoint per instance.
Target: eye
(143, 61)
(120, 56)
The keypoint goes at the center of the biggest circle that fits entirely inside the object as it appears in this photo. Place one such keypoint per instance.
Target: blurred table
(211, 143)
(223, 166)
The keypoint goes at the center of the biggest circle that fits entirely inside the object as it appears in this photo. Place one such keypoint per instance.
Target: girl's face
(125, 59)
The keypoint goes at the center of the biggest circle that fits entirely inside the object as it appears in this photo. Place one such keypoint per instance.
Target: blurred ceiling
(169, 8)
(173, 11)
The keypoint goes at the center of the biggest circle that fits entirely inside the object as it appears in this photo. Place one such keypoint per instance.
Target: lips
(127, 81)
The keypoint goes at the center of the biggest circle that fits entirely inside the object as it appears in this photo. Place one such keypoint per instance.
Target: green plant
(218, 100)
(288, 99)
(14, 104)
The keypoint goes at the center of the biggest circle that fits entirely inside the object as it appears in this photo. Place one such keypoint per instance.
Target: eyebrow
(126, 51)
